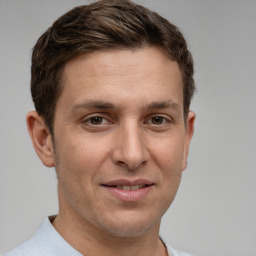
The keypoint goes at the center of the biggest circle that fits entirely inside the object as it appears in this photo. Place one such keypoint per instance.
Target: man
(111, 83)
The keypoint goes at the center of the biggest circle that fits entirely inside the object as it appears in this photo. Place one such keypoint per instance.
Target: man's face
(120, 139)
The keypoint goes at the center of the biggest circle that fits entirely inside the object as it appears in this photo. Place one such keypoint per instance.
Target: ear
(41, 138)
(188, 136)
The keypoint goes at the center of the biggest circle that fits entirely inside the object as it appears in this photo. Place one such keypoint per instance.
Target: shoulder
(27, 248)
(18, 251)
(173, 252)
(34, 245)
(45, 242)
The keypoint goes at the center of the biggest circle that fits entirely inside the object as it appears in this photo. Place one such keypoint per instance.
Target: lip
(127, 182)
(128, 195)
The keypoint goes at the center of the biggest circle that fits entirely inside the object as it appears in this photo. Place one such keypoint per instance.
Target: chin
(128, 230)
(128, 227)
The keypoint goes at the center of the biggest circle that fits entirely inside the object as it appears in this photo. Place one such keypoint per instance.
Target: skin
(119, 116)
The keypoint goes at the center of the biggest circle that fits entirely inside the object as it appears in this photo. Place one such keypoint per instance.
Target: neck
(90, 240)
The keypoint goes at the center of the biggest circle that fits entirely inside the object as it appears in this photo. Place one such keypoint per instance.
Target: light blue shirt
(48, 242)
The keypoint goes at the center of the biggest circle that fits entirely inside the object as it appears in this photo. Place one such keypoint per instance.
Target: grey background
(215, 209)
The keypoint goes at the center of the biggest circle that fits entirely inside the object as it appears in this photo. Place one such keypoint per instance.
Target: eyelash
(162, 118)
(89, 120)
(104, 121)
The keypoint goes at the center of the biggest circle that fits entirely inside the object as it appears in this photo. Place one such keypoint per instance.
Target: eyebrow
(163, 105)
(94, 104)
(106, 105)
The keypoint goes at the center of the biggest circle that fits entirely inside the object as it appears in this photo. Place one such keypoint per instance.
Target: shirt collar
(51, 241)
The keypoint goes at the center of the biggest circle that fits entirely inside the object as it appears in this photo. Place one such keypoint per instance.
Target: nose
(130, 148)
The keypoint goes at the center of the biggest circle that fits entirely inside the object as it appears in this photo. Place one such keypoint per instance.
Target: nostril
(121, 163)
(131, 165)
(129, 156)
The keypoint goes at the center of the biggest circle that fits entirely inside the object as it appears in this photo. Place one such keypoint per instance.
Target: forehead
(121, 62)
(133, 73)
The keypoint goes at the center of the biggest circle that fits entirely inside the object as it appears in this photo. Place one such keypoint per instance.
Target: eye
(158, 120)
(96, 120)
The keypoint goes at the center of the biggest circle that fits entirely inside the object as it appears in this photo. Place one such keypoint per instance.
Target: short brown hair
(106, 24)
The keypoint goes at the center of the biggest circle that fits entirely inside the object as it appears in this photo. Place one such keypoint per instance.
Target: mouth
(127, 187)
(125, 184)
(129, 191)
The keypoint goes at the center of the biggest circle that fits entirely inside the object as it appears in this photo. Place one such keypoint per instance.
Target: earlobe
(188, 136)
(41, 138)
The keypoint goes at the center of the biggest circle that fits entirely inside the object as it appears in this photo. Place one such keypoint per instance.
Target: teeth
(135, 187)
(131, 187)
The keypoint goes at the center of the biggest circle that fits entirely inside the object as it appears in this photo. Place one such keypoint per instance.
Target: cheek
(79, 163)
(168, 157)
(168, 154)
(75, 167)
(79, 154)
